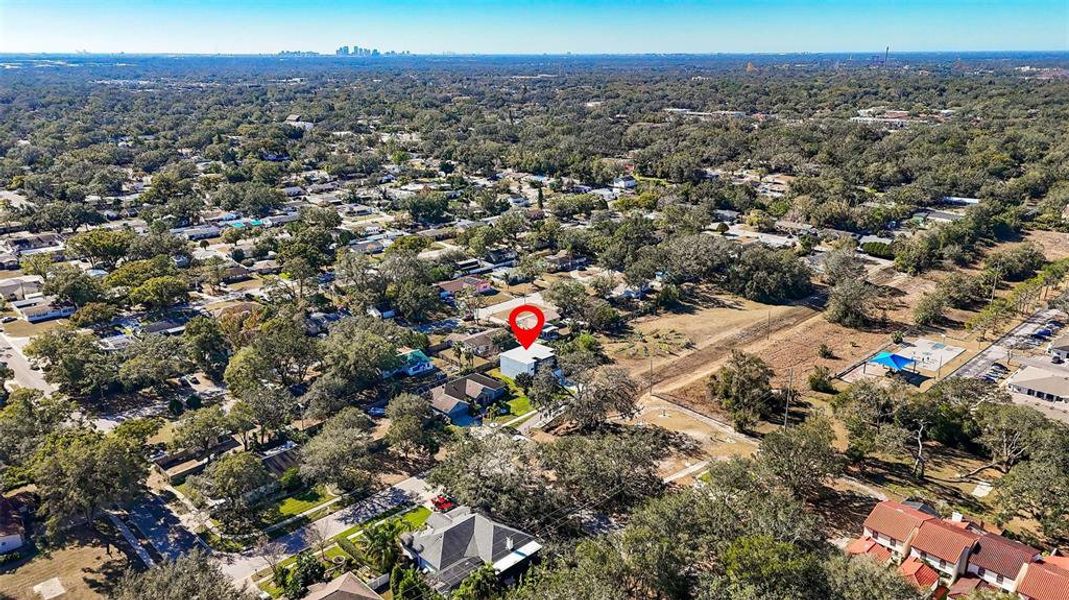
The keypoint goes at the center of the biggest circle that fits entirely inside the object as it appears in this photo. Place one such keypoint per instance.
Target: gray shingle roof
(458, 542)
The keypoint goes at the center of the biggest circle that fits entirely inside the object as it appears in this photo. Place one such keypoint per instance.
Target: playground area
(929, 355)
(914, 361)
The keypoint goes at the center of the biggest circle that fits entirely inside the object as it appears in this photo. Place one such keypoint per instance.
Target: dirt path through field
(702, 362)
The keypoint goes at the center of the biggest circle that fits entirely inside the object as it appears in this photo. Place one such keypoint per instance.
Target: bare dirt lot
(684, 341)
(1055, 244)
(713, 441)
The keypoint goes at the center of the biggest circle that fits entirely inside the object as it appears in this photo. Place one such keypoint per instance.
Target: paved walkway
(240, 566)
(680, 474)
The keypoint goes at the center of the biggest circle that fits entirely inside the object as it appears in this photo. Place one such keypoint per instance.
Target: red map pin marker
(525, 333)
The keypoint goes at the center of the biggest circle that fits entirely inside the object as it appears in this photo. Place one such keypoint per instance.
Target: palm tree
(379, 545)
(459, 349)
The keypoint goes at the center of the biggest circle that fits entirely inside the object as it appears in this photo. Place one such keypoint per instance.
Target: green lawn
(518, 403)
(281, 509)
(302, 501)
(520, 406)
(333, 552)
(415, 517)
(223, 544)
(185, 489)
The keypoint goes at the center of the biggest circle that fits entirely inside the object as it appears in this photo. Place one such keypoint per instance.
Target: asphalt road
(162, 529)
(25, 375)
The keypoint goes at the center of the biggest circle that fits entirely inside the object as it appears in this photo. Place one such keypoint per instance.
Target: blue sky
(528, 26)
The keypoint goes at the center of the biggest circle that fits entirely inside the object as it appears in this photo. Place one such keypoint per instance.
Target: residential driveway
(239, 566)
(157, 523)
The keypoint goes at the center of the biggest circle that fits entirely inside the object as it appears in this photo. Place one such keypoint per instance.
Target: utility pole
(790, 392)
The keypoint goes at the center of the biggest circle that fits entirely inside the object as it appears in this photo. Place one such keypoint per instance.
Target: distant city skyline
(531, 27)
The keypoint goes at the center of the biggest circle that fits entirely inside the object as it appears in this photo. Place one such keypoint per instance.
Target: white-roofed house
(525, 360)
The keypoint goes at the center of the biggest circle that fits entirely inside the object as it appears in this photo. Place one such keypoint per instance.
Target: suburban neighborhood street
(25, 375)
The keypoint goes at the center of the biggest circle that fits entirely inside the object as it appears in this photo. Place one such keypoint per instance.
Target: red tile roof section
(964, 586)
(942, 540)
(869, 547)
(1045, 582)
(1057, 561)
(1002, 555)
(918, 573)
(895, 520)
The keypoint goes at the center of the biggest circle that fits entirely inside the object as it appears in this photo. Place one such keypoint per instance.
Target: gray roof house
(1040, 383)
(455, 398)
(455, 543)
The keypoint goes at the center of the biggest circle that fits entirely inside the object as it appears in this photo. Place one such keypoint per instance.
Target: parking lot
(1024, 340)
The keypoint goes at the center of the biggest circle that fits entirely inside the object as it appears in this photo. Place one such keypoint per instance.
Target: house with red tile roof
(869, 547)
(893, 525)
(999, 561)
(957, 552)
(922, 576)
(1044, 581)
(944, 546)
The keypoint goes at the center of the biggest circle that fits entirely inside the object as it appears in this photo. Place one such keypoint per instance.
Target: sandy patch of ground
(83, 566)
(713, 441)
(25, 329)
(5, 274)
(1055, 244)
(688, 345)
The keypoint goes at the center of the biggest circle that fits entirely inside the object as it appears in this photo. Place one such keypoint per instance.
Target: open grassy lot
(85, 565)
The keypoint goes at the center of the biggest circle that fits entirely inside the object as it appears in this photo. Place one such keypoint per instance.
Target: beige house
(346, 587)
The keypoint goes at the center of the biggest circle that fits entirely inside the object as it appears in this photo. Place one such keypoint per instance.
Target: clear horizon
(528, 27)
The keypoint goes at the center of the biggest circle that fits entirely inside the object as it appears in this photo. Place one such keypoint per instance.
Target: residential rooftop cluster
(257, 329)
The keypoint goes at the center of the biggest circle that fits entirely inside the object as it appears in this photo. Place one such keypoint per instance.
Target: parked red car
(443, 503)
